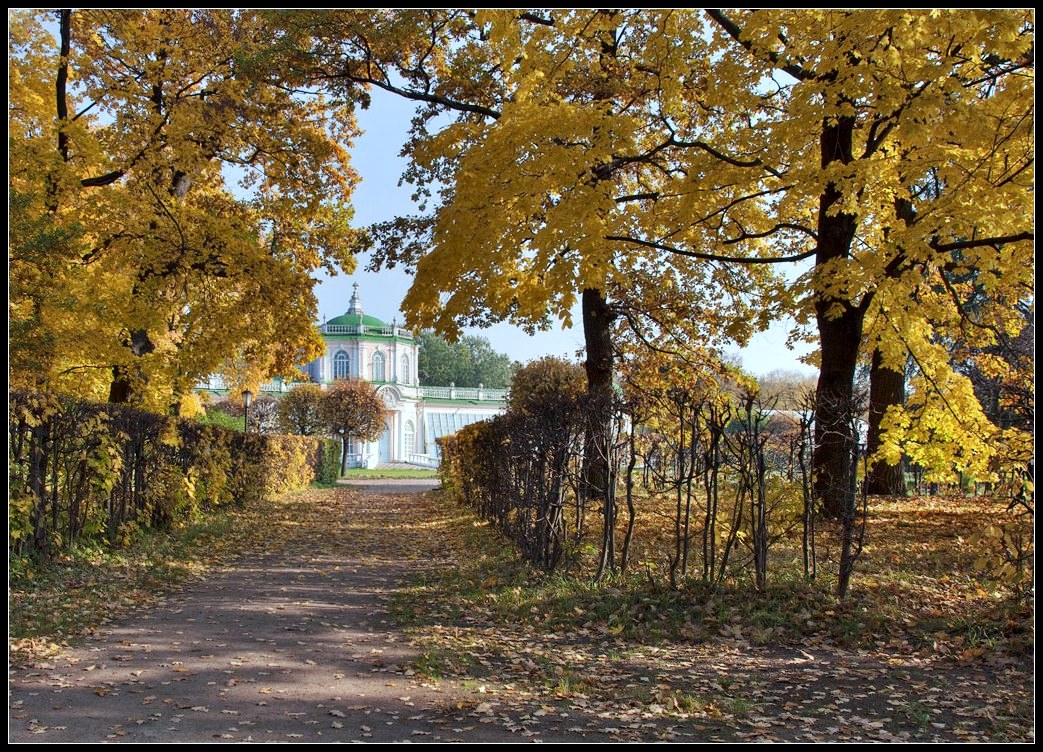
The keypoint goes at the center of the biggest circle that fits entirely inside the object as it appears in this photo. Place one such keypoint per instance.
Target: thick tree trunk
(886, 387)
(597, 334)
(840, 335)
(834, 402)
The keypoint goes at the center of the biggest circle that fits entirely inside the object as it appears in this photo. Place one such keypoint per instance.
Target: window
(378, 367)
(340, 365)
(408, 439)
(404, 375)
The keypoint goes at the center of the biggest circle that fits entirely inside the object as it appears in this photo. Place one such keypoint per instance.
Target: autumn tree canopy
(902, 142)
(592, 150)
(137, 264)
(653, 166)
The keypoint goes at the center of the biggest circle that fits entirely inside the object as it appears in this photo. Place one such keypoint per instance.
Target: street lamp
(248, 397)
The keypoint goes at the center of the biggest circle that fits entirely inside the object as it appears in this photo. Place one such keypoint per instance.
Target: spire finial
(355, 307)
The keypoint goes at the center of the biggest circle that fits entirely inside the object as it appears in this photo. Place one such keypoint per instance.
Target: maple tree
(138, 267)
(588, 145)
(552, 130)
(352, 409)
(853, 117)
(618, 160)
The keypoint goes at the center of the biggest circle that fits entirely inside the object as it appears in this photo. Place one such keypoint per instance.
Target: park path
(293, 643)
(290, 645)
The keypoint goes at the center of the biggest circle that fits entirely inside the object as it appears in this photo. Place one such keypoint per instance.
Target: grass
(419, 472)
(620, 645)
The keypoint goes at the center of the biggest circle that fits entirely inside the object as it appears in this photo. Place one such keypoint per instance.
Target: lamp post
(248, 397)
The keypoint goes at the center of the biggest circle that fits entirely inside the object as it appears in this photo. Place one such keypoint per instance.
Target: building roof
(355, 315)
(356, 319)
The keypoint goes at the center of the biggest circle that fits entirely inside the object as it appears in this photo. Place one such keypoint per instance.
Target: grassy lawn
(927, 618)
(420, 472)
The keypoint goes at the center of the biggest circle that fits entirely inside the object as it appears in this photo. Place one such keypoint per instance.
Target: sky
(379, 197)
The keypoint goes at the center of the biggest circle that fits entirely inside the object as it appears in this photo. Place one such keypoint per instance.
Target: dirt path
(289, 645)
(294, 644)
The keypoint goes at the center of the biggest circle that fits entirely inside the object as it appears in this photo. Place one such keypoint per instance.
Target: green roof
(356, 319)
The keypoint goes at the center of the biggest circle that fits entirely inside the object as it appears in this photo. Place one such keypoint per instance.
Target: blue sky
(378, 197)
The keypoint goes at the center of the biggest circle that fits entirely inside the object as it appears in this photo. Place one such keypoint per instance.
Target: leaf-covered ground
(290, 638)
(927, 648)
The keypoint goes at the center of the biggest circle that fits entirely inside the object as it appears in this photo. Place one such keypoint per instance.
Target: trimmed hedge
(328, 466)
(102, 471)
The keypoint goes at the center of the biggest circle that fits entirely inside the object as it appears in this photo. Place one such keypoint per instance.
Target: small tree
(299, 410)
(352, 409)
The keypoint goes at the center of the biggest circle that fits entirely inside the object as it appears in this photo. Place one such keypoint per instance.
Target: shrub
(101, 471)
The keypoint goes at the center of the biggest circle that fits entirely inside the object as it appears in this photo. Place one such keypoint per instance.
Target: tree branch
(421, 96)
(722, 156)
(528, 16)
(637, 197)
(733, 30)
(711, 256)
(780, 226)
(101, 180)
(962, 245)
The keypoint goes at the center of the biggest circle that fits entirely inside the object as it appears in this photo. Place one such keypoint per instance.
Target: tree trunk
(886, 387)
(597, 334)
(834, 401)
(840, 335)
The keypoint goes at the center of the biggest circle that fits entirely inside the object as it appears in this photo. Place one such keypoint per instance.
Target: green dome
(356, 319)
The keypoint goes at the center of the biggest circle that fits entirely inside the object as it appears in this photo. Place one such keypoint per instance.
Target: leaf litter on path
(305, 601)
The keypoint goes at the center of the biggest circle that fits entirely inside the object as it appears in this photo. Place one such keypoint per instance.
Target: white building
(364, 347)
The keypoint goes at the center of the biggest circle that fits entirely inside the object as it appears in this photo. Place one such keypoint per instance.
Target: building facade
(364, 347)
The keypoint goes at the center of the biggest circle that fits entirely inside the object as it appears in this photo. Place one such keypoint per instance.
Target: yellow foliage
(131, 256)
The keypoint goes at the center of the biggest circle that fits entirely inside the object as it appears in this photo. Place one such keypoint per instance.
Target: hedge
(102, 471)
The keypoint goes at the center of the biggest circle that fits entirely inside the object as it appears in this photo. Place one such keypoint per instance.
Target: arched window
(408, 440)
(405, 376)
(341, 365)
(379, 373)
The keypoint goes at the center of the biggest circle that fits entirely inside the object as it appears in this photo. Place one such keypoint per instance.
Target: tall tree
(468, 362)
(869, 105)
(556, 123)
(589, 146)
(150, 118)
(439, 362)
